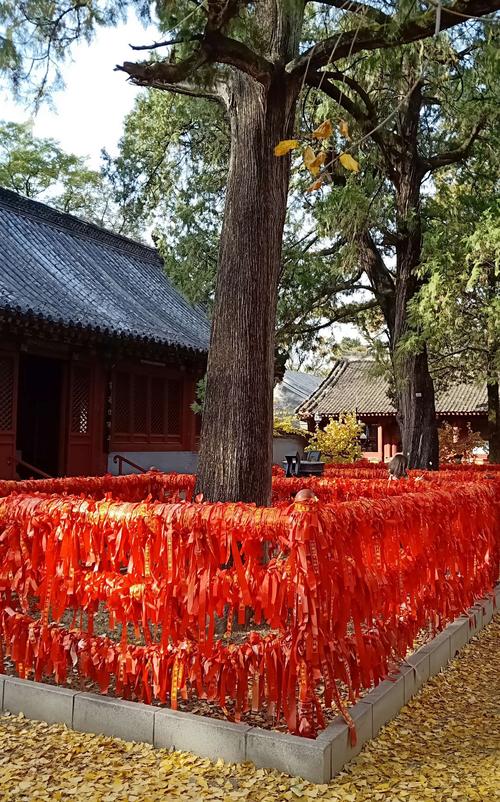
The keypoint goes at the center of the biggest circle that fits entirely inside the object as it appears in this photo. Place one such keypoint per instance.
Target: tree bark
(413, 381)
(494, 422)
(236, 443)
(414, 387)
(493, 340)
(414, 384)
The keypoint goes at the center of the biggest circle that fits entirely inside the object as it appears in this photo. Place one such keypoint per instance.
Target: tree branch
(337, 75)
(358, 8)
(214, 47)
(390, 34)
(322, 298)
(158, 73)
(379, 276)
(224, 50)
(456, 154)
(348, 311)
(196, 37)
(367, 121)
(215, 94)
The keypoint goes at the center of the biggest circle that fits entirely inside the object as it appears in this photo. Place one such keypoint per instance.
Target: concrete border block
(439, 652)
(386, 701)
(131, 721)
(459, 635)
(205, 736)
(486, 606)
(475, 617)
(411, 682)
(417, 669)
(497, 597)
(302, 757)
(38, 701)
(338, 733)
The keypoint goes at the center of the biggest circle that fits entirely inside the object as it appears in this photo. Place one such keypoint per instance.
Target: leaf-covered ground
(445, 745)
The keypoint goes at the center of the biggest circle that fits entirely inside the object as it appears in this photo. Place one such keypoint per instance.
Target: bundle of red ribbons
(132, 487)
(337, 588)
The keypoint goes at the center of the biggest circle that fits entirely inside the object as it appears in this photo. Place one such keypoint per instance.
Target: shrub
(339, 441)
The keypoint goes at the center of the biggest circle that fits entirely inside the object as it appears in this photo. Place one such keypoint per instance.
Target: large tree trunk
(416, 411)
(414, 384)
(494, 422)
(236, 443)
(493, 340)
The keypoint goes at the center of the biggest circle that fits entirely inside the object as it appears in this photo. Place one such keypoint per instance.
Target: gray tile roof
(295, 388)
(61, 269)
(355, 385)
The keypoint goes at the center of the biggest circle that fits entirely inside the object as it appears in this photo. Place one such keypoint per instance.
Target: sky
(88, 114)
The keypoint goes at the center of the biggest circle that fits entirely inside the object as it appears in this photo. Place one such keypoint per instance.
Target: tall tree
(254, 58)
(171, 177)
(413, 115)
(40, 169)
(459, 303)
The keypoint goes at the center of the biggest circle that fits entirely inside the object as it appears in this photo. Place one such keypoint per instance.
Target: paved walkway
(445, 745)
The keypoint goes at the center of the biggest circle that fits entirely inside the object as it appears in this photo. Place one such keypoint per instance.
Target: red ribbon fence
(335, 591)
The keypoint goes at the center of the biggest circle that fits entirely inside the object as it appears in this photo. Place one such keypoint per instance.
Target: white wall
(167, 461)
(287, 445)
(186, 461)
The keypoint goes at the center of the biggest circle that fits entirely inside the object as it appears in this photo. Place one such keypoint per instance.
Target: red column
(380, 441)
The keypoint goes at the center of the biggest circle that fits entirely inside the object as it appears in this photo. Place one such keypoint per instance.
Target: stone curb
(316, 760)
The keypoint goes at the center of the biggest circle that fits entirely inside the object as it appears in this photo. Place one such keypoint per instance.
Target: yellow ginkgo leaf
(317, 164)
(324, 130)
(309, 156)
(344, 129)
(349, 163)
(285, 146)
(316, 185)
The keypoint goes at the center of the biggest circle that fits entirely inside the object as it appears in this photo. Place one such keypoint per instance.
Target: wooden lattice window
(158, 406)
(6, 394)
(174, 407)
(80, 400)
(146, 408)
(141, 403)
(121, 402)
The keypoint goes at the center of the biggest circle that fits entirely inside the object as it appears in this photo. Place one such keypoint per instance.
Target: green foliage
(37, 36)
(199, 402)
(40, 169)
(170, 175)
(458, 307)
(288, 424)
(339, 441)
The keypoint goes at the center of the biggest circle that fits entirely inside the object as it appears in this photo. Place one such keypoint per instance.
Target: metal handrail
(120, 459)
(32, 468)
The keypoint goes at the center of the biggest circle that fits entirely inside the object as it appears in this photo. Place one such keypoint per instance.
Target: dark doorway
(39, 414)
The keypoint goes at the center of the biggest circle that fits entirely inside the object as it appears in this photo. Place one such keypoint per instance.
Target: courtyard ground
(444, 745)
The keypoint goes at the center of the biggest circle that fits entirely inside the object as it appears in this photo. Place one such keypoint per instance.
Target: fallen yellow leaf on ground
(441, 748)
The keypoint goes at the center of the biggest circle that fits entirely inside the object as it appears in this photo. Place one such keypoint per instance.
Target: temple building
(99, 353)
(356, 386)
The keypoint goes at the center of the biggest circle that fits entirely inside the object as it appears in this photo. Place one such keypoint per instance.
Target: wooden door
(79, 420)
(9, 363)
